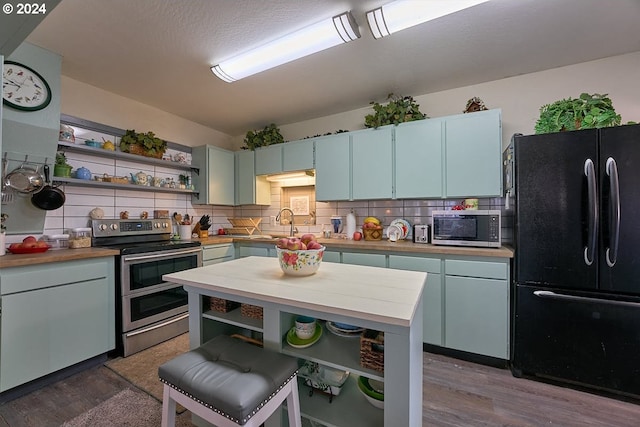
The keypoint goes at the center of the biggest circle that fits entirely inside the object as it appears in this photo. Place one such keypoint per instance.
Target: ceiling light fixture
(315, 38)
(401, 14)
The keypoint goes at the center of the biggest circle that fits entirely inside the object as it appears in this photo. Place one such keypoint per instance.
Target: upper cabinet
(418, 159)
(216, 176)
(250, 189)
(473, 153)
(290, 156)
(333, 167)
(371, 163)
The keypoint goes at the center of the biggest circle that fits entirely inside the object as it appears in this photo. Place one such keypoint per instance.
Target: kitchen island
(380, 299)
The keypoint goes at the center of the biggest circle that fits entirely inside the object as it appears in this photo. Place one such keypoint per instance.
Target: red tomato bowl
(29, 250)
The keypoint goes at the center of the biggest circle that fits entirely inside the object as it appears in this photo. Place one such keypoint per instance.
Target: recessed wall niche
(302, 201)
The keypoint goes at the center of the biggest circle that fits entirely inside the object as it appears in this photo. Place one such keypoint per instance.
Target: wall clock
(23, 88)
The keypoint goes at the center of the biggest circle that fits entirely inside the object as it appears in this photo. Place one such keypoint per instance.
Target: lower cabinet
(52, 319)
(466, 299)
(476, 296)
(214, 254)
(432, 295)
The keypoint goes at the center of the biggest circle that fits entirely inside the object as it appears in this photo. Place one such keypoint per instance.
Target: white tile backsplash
(81, 200)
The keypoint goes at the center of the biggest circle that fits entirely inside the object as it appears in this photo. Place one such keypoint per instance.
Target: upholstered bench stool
(229, 382)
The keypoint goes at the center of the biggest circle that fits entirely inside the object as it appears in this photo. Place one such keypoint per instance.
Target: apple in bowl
(299, 256)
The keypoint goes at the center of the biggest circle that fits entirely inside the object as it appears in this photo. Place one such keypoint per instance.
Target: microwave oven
(480, 228)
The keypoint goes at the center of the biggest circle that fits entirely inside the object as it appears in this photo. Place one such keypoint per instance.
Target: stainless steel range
(148, 309)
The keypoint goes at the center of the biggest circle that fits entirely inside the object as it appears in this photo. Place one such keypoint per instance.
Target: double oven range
(148, 309)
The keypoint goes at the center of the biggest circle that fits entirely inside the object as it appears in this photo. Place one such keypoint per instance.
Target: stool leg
(293, 404)
(168, 408)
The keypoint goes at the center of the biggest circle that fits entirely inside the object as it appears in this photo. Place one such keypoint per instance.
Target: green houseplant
(261, 138)
(145, 144)
(587, 111)
(61, 167)
(398, 109)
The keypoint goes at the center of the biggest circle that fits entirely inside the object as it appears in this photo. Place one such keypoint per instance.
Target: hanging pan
(24, 179)
(49, 198)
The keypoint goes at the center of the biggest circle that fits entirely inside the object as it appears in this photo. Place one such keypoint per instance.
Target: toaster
(421, 233)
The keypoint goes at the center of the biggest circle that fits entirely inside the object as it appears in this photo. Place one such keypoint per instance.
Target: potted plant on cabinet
(398, 110)
(144, 144)
(261, 138)
(587, 111)
(61, 168)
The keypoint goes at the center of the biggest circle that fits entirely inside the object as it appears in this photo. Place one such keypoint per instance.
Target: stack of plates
(403, 225)
(296, 342)
(372, 390)
(344, 330)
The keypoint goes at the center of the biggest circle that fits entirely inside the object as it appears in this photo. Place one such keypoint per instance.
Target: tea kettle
(141, 178)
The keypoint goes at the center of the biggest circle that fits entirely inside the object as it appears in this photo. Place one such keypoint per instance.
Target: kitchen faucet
(291, 231)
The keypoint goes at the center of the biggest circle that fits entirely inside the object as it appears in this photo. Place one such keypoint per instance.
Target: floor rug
(128, 408)
(141, 368)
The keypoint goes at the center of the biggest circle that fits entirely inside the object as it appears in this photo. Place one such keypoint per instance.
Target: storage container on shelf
(57, 241)
(79, 238)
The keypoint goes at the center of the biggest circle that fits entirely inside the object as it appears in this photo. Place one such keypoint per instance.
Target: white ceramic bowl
(375, 402)
(300, 263)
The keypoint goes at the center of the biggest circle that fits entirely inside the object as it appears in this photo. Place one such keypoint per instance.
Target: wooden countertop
(382, 245)
(59, 255)
(372, 293)
(14, 260)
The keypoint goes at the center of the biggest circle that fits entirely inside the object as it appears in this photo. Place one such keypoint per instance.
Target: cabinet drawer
(22, 279)
(488, 270)
(413, 263)
(372, 260)
(331, 256)
(217, 251)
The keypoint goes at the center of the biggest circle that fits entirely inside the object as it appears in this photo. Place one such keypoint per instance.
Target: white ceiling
(159, 52)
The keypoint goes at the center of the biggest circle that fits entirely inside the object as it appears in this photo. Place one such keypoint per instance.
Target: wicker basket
(222, 305)
(252, 311)
(372, 350)
(372, 233)
(141, 151)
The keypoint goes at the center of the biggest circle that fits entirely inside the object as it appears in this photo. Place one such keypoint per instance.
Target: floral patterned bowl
(300, 262)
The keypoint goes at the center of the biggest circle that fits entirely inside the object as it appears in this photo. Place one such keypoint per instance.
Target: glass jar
(79, 238)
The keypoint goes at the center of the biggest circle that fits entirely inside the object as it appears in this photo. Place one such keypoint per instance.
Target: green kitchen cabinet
(268, 159)
(285, 157)
(214, 254)
(249, 188)
(298, 155)
(432, 295)
(216, 176)
(477, 307)
(52, 319)
(371, 164)
(333, 167)
(473, 153)
(358, 258)
(418, 159)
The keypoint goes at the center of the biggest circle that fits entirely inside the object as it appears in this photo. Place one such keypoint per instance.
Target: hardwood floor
(455, 393)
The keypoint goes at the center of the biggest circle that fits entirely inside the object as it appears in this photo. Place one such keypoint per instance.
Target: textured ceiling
(159, 52)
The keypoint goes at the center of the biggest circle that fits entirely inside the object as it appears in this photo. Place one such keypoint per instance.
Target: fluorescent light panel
(315, 38)
(402, 14)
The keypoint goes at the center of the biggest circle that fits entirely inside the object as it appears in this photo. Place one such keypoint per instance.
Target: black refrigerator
(577, 258)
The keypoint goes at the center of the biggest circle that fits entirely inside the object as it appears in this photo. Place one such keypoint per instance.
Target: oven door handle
(159, 325)
(553, 295)
(128, 258)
